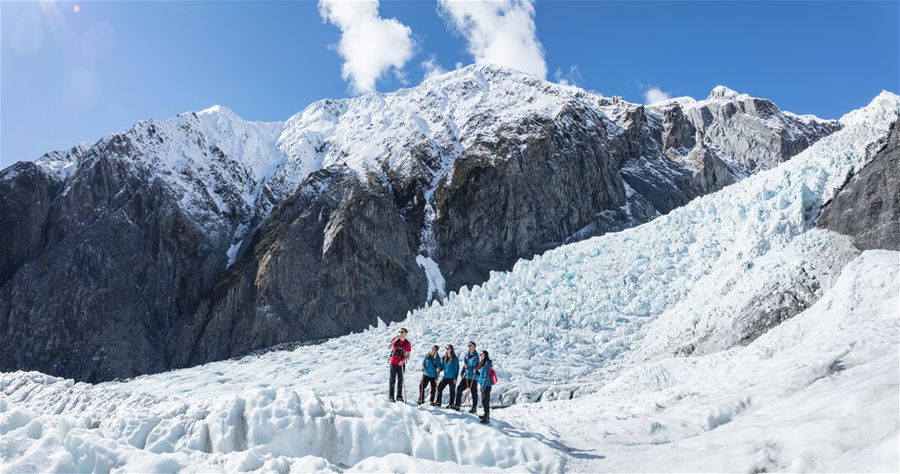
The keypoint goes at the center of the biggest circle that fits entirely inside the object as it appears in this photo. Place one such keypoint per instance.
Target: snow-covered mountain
(221, 166)
(212, 236)
(737, 332)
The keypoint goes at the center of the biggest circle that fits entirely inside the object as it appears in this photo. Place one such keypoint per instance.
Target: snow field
(257, 426)
(817, 393)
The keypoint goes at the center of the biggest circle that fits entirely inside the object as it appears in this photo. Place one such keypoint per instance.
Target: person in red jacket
(400, 349)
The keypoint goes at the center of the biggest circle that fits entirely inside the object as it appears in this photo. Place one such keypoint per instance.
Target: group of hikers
(477, 371)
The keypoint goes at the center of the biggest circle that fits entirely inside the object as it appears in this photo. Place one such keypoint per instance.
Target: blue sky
(70, 76)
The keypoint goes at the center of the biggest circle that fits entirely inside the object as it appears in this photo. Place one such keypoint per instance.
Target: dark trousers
(486, 400)
(444, 383)
(396, 375)
(426, 380)
(471, 386)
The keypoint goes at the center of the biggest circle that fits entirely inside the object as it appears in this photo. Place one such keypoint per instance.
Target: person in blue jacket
(450, 366)
(468, 382)
(484, 378)
(430, 367)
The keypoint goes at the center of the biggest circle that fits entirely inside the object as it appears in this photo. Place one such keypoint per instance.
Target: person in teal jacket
(430, 367)
(468, 382)
(484, 378)
(450, 366)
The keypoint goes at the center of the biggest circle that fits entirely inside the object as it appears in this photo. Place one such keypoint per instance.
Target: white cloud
(431, 67)
(500, 32)
(571, 78)
(370, 45)
(654, 95)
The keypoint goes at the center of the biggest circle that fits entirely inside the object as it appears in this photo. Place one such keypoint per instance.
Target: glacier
(624, 352)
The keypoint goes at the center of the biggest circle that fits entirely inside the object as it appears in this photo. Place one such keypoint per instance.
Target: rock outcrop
(116, 263)
(334, 258)
(867, 208)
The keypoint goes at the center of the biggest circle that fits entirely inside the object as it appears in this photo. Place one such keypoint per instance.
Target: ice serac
(213, 236)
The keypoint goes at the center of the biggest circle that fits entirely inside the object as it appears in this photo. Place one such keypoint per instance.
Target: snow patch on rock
(436, 286)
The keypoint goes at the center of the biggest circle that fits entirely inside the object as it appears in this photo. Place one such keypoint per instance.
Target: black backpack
(398, 348)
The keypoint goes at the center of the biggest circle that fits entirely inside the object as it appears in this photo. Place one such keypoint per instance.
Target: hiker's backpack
(398, 348)
(493, 376)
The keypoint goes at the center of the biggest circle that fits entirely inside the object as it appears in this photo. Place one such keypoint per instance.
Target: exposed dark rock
(502, 203)
(867, 208)
(100, 302)
(332, 259)
(26, 193)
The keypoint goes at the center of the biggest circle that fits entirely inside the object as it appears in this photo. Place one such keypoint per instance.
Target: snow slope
(817, 393)
(592, 333)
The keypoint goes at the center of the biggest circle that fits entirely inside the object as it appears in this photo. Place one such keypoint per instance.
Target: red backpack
(493, 376)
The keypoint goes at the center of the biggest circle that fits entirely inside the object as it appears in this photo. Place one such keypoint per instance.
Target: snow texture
(589, 343)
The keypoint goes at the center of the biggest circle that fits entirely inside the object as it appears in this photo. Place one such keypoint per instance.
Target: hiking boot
(420, 402)
(473, 410)
(485, 420)
(391, 399)
(400, 399)
(435, 404)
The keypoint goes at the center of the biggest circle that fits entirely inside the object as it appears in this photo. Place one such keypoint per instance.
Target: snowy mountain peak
(723, 92)
(217, 109)
(444, 115)
(885, 103)
(485, 72)
(62, 163)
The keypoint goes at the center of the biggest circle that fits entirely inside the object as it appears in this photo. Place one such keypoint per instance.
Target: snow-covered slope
(817, 393)
(641, 350)
(439, 119)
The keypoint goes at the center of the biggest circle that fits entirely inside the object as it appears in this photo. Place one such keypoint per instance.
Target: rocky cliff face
(115, 263)
(868, 207)
(333, 258)
(210, 236)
